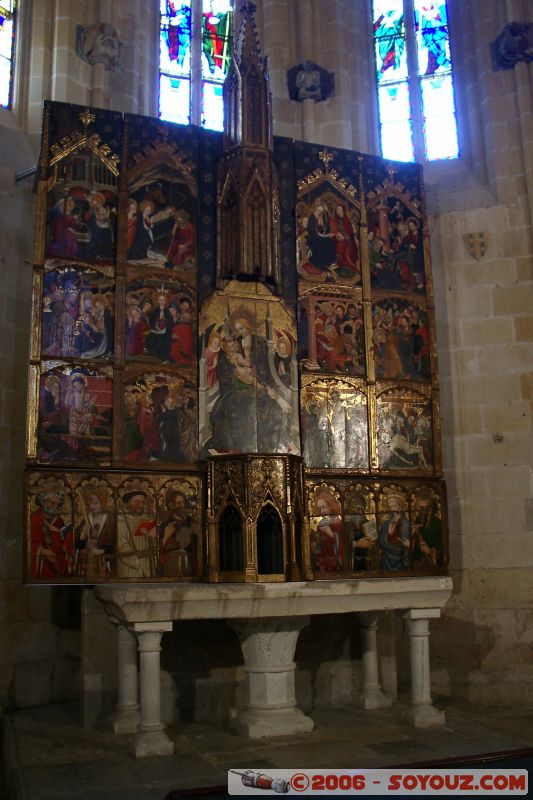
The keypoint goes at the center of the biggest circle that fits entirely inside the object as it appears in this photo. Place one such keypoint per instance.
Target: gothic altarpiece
(233, 367)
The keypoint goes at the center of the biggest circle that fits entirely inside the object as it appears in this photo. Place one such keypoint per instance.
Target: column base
(125, 720)
(374, 698)
(425, 716)
(257, 724)
(152, 743)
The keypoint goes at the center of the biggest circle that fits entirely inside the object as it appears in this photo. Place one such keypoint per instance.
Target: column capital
(422, 613)
(368, 619)
(164, 626)
(268, 642)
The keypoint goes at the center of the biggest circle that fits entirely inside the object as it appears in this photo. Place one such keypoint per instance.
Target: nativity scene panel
(161, 225)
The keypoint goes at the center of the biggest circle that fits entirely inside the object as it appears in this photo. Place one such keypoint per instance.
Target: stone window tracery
(416, 102)
(8, 19)
(194, 57)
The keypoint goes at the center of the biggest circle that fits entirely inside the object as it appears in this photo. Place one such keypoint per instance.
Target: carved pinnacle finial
(325, 156)
(87, 118)
(391, 171)
(162, 131)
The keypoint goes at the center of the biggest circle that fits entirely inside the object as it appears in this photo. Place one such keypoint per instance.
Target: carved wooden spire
(248, 192)
(247, 97)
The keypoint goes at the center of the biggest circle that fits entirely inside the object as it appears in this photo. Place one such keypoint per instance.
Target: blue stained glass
(430, 15)
(394, 103)
(441, 137)
(212, 107)
(174, 99)
(440, 129)
(175, 37)
(395, 117)
(387, 8)
(437, 96)
(397, 141)
(391, 59)
(210, 21)
(432, 37)
(7, 44)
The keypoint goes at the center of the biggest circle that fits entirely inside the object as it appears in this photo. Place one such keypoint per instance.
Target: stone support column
(151, 739)
(371, 695)
(268, 647)
(422, 713)
(126, 716)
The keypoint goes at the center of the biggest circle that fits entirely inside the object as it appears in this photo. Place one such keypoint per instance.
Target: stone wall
(484, 642)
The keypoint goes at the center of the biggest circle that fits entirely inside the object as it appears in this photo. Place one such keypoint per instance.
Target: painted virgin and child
(250, 413)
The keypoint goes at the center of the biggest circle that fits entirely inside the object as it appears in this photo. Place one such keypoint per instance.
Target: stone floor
(49, 756)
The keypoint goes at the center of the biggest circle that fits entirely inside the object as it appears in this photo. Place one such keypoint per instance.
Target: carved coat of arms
(476, 244)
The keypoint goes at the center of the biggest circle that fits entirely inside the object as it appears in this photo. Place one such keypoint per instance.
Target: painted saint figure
(94, 539)
(82, 409)
(329, 554)
(51, 538)
(361, 533)
(182, 249)
(426, 547)
(394, 537)
(177, 538)
(64, 223)
(136, 538)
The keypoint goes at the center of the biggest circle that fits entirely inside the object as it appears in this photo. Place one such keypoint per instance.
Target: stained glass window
(414, 78)
(8, 10)
(195, 53)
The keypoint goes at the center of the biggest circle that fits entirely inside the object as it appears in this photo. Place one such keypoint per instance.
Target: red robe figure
(345, 240)
(182, 248)
(406, 257)
(63, 222)
(211, 358)
(182, 349)
(51, 538)
(330, 551)
(136, 332)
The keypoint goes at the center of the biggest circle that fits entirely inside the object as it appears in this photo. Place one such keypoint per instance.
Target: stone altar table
(267, 618)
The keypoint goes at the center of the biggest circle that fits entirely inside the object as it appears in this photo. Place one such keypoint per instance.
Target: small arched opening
(269, 542)
(230, 540)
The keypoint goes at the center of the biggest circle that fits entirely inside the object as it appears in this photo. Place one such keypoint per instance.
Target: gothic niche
(269, 542)
(230, 540)
(255, 519)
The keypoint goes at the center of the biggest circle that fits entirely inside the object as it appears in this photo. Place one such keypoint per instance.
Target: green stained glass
(389, 39)
(216, 41)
